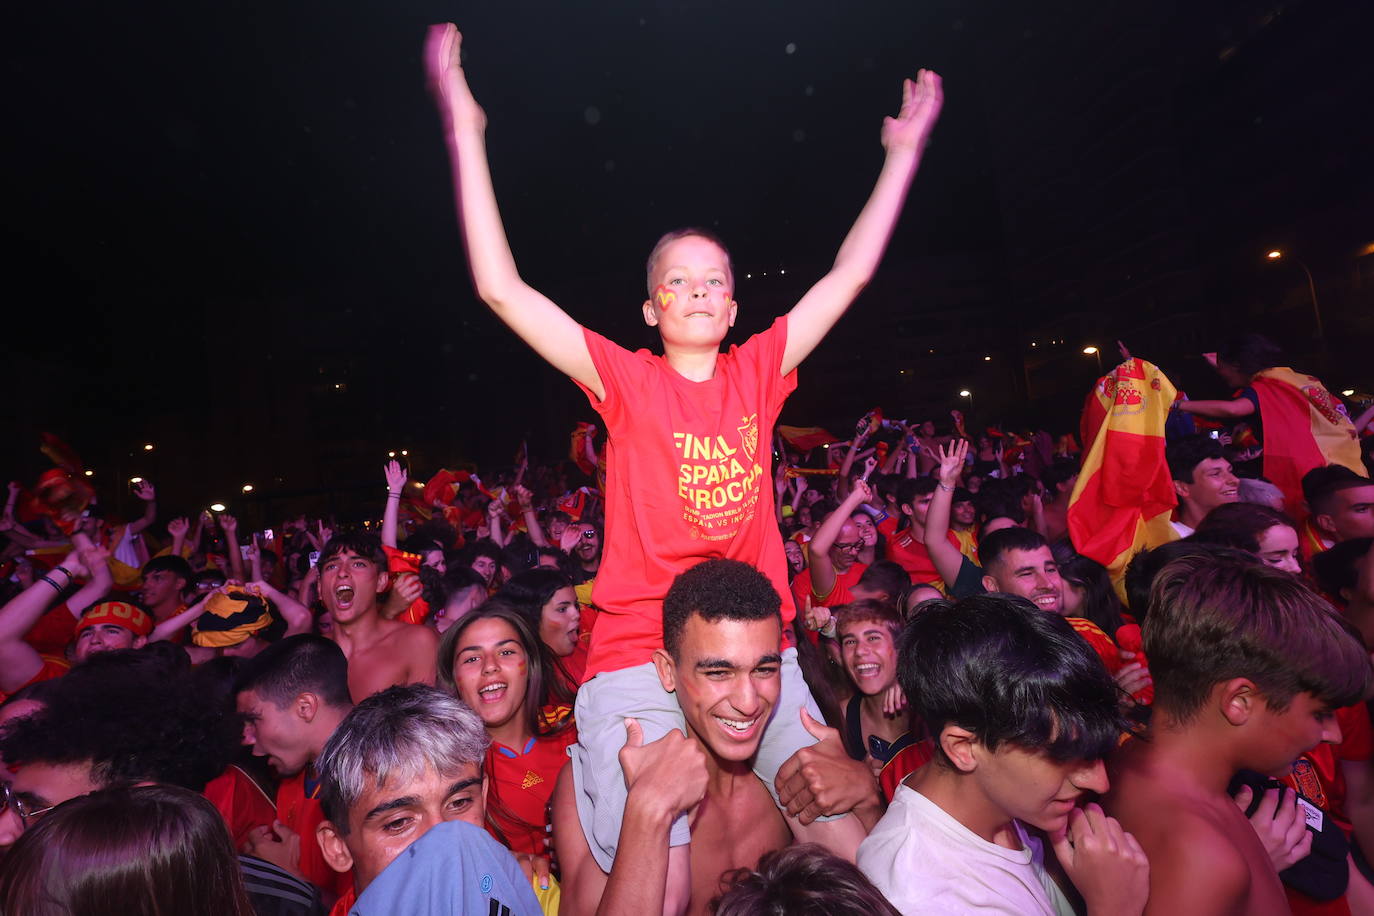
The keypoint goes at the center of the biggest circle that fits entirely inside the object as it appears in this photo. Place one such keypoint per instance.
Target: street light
(148, 447)
(90, 473)
(965, 393)
(1276, 255)
(1347, 393)
(1093, 351)
(135, 480)
(248, 488)
(217, 507)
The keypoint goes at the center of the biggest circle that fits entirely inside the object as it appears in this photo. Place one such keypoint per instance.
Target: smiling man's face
(1032, 574)
(727, 677)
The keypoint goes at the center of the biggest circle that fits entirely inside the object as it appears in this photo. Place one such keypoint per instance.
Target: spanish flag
(1124, 495)
(1305, 427)
(805, 438)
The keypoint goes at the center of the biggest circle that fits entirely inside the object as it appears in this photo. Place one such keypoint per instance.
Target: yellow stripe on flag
(1124, 496)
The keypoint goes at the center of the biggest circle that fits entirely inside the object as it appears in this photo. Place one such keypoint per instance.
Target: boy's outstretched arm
(552, 333)
(904, 138)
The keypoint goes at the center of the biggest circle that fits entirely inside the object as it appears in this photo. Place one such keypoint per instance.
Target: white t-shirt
(924, 861)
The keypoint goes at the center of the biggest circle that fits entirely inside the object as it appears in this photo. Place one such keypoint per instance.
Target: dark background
(231, 227)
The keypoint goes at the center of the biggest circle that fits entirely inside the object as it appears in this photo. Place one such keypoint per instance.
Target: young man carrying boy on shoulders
(1249, 665)
(721, 665)
(688, 460)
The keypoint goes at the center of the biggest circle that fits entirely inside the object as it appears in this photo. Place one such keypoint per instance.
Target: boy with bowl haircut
(1022, 713)
(688, 474)
(1249, 665)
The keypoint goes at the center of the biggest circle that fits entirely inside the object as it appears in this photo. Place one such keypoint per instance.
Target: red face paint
(664, 297)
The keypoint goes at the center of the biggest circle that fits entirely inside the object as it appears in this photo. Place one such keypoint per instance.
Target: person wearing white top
(1021, 713)
(924, 861)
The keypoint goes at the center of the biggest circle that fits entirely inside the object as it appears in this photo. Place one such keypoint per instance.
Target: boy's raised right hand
(921, 101)
(444, 65)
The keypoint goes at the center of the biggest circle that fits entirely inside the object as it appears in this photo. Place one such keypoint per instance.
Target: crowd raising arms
(998, 752)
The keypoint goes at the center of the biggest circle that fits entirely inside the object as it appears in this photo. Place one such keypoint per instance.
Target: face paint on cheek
(664, 297)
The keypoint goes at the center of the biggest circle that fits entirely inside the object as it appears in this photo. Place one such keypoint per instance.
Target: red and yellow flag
(577, 449)
(1124, 495)
(1305, 427)
(805, 438)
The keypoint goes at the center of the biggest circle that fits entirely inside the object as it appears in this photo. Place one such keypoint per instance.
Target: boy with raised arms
(688, 458)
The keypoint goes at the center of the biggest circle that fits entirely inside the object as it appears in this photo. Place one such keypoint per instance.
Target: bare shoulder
(1195, 866)
(413, 637)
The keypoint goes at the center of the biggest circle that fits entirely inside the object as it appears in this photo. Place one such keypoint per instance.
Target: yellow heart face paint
(664, 297)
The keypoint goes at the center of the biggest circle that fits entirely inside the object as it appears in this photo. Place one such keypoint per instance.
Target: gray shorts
(603, 704)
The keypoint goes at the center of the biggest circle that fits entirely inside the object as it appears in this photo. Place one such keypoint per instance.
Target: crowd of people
(698, 666)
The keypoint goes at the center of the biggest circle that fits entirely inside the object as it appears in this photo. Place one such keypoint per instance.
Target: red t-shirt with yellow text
(688, 478)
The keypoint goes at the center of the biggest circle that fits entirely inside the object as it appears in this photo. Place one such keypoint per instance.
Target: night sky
(233, 233)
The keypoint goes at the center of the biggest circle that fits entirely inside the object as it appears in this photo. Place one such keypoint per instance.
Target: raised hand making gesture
(395, 477)
(921, 101)
(952, 462)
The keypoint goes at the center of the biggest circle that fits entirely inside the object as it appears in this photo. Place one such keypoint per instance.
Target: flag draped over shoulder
(1305, 427)
(1124, 495)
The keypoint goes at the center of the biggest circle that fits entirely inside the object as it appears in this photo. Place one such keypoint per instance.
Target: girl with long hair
(491, 660)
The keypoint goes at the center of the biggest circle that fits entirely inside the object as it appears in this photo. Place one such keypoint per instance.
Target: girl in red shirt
(491, 660)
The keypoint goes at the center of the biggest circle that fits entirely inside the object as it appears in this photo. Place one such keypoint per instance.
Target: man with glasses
(127, 719)
(835, 567)
(39, 787)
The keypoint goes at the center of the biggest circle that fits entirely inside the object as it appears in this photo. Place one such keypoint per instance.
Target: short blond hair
(690, 232)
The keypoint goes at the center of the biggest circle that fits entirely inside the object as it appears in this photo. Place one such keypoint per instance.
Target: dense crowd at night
(701, 662)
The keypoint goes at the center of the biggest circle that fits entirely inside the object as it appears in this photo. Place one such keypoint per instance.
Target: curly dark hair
(717, 590)
(135, 716)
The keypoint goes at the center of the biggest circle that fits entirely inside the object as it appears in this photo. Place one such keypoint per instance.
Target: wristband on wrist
(49, 580)
(393, 496)
(943, 487)
(64, 571)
